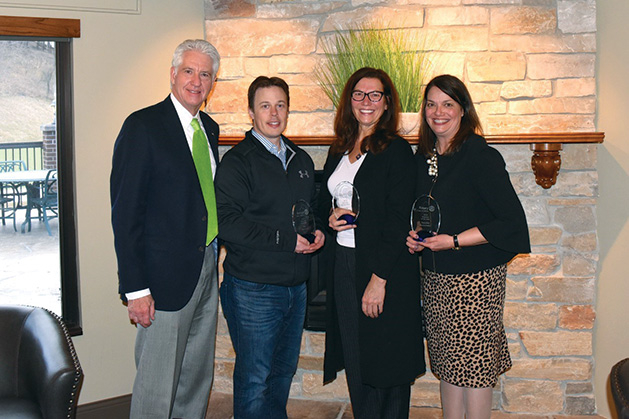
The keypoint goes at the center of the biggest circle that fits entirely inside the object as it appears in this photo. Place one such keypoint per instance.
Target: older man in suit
(165, 228)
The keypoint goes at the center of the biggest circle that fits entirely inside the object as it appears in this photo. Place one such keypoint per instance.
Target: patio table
(31, 179)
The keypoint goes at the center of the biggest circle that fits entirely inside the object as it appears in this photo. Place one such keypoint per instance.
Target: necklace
(358, 156)
(433, 166)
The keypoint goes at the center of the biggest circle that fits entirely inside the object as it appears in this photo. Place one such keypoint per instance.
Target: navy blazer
(158, 214)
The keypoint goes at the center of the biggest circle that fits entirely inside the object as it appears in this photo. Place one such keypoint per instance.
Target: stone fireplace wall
(530, 67)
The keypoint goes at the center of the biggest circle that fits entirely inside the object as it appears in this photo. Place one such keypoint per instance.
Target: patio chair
(48, 203)
(11, 196)
(619, 381)
(5, 209)
(9, 203)
(12, 165)
(40, 373)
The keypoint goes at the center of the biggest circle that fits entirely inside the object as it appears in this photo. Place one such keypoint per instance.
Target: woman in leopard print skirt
(464, 261)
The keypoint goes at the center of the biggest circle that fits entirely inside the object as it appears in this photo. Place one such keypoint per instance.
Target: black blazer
(473, 189)
(391, 346)
(158, 214)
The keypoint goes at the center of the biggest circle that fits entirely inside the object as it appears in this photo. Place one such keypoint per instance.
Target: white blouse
(345, 172)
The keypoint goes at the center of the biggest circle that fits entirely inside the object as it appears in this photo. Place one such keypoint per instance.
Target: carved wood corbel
(545, 163)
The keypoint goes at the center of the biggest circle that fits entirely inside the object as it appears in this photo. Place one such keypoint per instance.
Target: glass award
(345, 197)
(425, 217)
(304, 220)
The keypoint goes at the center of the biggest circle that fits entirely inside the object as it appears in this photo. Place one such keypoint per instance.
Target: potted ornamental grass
(400, 53)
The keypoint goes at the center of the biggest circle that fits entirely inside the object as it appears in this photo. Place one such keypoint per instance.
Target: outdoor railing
(30, 153)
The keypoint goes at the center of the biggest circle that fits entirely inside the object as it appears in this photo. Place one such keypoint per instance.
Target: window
(57, 35)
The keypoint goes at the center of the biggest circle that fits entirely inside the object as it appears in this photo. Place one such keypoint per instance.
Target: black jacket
(473, 190)
(391, 347)
(255, 197)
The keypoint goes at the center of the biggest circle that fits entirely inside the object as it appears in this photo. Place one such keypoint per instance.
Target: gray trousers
(175, 355)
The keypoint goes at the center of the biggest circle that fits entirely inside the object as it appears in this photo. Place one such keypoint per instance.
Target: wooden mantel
(545, 162)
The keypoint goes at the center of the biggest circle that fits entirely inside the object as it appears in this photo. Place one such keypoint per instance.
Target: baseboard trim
(114, 408)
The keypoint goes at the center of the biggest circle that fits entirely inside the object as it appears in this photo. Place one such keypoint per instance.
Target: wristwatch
(455, 238)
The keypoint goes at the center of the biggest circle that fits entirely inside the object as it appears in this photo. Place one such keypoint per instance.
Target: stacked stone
(530, 67)
(550, 312)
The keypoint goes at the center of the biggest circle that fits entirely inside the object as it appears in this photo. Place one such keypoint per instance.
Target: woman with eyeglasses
(483, 226)
(373, 327)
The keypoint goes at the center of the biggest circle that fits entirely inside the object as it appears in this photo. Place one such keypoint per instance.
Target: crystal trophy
(345, 197)
(304, 220)
(425, 217)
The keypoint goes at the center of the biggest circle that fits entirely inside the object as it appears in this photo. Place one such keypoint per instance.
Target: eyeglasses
(359, 96)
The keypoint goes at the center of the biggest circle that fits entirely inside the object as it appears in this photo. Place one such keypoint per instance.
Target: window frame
(60, 31)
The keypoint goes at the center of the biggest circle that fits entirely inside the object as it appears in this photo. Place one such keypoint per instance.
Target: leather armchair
(619, 381)
(40, 374)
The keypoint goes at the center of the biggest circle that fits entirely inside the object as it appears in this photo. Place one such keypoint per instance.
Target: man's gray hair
(199, 45)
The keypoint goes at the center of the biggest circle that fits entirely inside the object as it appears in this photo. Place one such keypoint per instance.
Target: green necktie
(201, 157)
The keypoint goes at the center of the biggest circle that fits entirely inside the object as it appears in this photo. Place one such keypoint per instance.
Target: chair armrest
(49, 365)
(619, 382)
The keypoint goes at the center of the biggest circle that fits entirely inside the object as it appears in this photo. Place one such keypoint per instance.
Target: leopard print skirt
(467, 344)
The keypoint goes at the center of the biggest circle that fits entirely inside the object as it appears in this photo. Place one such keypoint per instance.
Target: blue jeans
(265, 324)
